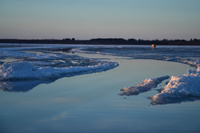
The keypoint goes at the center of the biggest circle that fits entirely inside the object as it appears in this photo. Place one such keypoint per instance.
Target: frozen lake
(90, 102)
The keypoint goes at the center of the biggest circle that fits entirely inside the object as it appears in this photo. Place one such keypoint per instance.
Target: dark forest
(99, 41)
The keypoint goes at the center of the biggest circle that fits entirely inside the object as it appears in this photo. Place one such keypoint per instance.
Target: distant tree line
(114, 41)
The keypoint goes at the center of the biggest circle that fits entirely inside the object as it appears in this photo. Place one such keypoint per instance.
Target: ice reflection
(63, 115)
(172, 100)
(20, 86)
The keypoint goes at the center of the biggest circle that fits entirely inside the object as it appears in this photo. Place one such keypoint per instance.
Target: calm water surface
(89, 103)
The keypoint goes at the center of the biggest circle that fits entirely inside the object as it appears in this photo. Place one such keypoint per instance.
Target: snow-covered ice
(179, 89)
(23, 76)
(43, 63)
(26, 71)
(144, 86)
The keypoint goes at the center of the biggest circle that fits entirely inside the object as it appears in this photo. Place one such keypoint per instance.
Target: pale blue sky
(86, 19)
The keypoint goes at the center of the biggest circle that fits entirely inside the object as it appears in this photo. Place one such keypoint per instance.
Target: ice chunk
(180, 88)
(144, 86)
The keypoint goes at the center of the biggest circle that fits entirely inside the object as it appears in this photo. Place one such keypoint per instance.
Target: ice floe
(144, 86)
